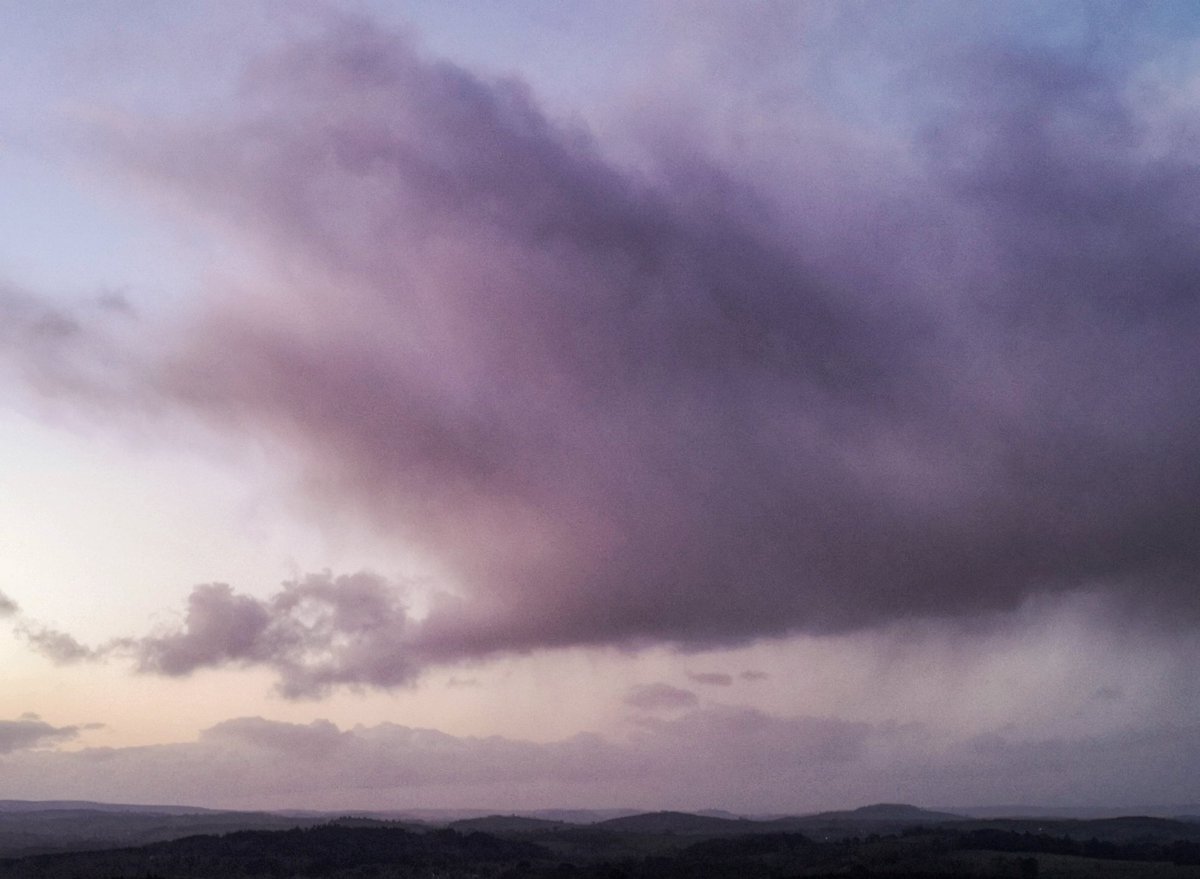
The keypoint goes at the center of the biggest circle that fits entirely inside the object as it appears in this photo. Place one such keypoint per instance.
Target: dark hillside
(679, 822)
(361, 849)
(507, 824)
(35, 831)
(326, 851)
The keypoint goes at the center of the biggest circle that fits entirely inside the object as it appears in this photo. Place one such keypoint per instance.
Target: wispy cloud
(60, 648)
(73, 352)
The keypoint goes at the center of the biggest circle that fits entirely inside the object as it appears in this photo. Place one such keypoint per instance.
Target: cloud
(711, 678)
(1146, 767)
(315, 632)
(819, 391)
(30, 731)
(723, 756)
(317, 739)
(8, 607)
(78, 353)
(59, 647)
(702, 757)
(654, 696)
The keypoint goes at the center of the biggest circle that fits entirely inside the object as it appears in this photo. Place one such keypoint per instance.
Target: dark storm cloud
(654, 696)
(626, 407)
(30, 731)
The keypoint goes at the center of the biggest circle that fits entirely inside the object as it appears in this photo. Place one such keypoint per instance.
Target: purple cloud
(650, 697)
(316, 632)
(59, 647)
(711, 678)
(701, 757)
(30, 731)
(733, 757)
(676, 404)
(220, 627)
(77, 353)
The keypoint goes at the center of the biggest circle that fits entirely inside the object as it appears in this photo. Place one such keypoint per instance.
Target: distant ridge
(881, 817)
(90, 806)
(678, 822)
(449, 816)
(37, 827)
(508, 824)
(1182, 811)
(579, 816)
(888, 812)
(877, 818)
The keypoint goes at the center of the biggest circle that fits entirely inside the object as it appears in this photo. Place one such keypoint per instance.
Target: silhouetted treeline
(326, 851)
(1173, 851)
(370, 850)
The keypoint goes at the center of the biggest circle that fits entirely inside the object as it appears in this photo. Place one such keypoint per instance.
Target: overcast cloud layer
(737, 758)
(923, 370)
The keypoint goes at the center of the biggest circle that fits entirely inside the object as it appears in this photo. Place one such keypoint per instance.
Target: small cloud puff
(711, 678)
(652, 697)
(30, 731)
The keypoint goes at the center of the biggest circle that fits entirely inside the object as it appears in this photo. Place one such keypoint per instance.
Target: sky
(763, 406)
